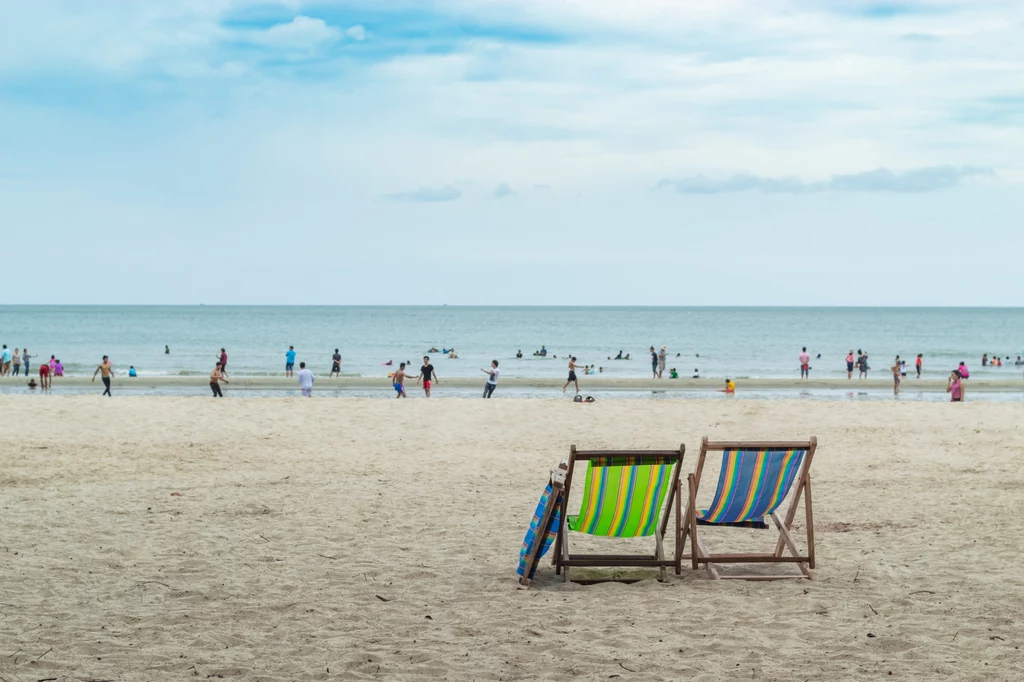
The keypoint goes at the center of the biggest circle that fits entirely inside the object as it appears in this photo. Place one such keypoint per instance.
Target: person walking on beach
(217, 376)
(335, 364)
(862, 364)
(849, 364)
(654, 363)
(918, 363)
(572, 376)
(398, 381)
(896, 376)
(427, 374)
(26, 359)
(223, 360)
(955, 387)
(661, 361)
(492, 380)
(104, 368)
(805, 364)
(16, 362)
(306, 380)
(289, 361)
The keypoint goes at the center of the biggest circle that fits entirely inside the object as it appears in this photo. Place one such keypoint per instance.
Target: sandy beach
(152, 538)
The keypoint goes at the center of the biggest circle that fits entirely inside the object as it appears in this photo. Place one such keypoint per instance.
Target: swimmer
(519, 354)
(398, 381)
(619, 356)
(32, 383)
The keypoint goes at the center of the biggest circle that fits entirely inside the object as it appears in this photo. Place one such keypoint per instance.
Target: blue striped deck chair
(624, 496)
(754, 481)
(543, 525)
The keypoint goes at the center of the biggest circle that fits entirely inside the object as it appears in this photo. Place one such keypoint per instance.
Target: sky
(491, 152)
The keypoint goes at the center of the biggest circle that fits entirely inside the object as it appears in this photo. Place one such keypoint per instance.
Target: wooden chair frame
(563, 559)
(699, 553)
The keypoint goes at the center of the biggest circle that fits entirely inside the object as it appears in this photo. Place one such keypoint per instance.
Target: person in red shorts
(44, 376)
(428, 374)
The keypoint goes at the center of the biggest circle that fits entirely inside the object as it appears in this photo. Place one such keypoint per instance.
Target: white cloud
(357, 32)
(878, 180)
(302, 32)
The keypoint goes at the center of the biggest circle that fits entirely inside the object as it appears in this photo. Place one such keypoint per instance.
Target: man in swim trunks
(217, 376)
(398, 381)
(427, 374)
(289, 361)
(44, 376)
(572, 376)
(335, 364)
(107, 370)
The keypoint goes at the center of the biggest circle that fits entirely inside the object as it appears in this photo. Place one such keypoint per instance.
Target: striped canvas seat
(622, 498)
(751, 485)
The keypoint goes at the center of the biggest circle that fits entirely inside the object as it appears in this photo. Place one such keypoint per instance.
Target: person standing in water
(26, 358)
(335, 364)
(428, 374)
(217, 376)
(167, 350)
(919, 363)
(492, 380)
(107, 371)
(306, 380)
(289, 361)
(661, 361)
(896, 374)
(16, 363)
(654, 363)
(862, 365)
(223, 363)
(805, 364)
(572, 376)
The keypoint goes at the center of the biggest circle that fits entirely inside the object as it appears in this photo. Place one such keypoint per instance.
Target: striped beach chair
(543, 526)
(755, 479)
(623, 497)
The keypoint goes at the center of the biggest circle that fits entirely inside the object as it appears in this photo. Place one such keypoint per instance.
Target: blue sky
(558, 152)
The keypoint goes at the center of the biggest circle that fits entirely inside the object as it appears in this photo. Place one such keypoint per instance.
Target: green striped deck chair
(754, 481)
(624, 496)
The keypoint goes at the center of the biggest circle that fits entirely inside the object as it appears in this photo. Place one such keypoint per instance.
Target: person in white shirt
(492, 380)
(306, 380)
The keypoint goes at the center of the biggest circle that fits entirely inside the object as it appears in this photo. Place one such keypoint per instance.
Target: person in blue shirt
(132, 372)
(289, 361)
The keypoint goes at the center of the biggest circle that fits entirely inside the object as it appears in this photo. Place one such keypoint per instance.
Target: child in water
(132, 372)
(673, 374)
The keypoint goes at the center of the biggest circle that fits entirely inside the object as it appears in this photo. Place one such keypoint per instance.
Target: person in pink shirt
(805, 364)
(955, 387)
(849, 365)
(964, 373)
(53, 366)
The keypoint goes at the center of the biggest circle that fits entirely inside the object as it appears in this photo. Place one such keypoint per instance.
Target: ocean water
(735, 342)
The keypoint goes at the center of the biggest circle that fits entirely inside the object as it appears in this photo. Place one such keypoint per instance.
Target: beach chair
(623, 497)
(543, 526)
(755, 479)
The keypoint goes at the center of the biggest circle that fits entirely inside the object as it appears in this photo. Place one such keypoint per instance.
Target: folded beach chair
(544, 525)
(755, 479)
(623, 497)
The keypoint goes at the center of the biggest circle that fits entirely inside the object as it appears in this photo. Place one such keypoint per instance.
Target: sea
(732, 342)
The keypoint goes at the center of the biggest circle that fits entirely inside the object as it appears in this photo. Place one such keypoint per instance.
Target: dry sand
(377, 539)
